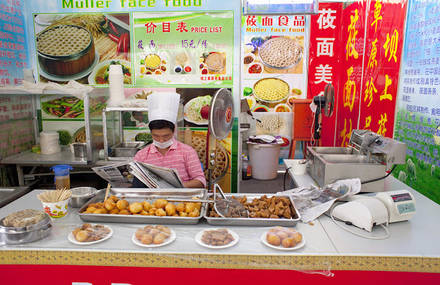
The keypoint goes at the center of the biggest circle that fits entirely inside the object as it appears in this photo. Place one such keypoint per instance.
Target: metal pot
(80, 196)
(13, 235)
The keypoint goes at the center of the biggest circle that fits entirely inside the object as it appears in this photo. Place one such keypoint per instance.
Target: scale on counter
(367, 157)
(369, 210)
(221, 119)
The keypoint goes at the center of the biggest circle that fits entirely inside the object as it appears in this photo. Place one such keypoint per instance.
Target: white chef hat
(163, 106)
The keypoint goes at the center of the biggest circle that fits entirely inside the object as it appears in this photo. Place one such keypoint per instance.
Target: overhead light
(277, 7)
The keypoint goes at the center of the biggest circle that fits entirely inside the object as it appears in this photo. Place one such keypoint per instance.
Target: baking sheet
(140, 194)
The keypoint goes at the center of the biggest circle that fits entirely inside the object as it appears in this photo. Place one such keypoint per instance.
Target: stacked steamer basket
(65, 50)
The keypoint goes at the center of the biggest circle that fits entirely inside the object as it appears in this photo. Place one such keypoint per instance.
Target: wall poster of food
(69, 107)
(273, 67)
(81, 46)
(184, 48)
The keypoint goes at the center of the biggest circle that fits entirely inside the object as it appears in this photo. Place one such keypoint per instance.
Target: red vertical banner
(383, 51)
(349, 91)
(324, 59)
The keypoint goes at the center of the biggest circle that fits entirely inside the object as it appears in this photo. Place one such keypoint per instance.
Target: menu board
(13, 47)
(418, 108)
(183, 48)
(274, 55)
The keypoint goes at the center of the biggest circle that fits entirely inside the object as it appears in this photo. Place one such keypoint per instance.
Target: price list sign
(183, 49)
(13, 48)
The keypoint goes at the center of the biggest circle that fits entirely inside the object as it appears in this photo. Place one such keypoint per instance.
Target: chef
(166, 151)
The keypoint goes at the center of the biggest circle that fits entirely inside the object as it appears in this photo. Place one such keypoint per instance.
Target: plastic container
(49, 142)
(56, 209)
(116, 85)
(263, 159)
(299, 167)
(62, 176)
(246, 172)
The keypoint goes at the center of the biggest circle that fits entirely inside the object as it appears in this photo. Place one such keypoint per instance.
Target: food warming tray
(138, 195)
(258, 222)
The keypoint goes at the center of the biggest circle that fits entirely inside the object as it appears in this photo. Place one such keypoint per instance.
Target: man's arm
(194, 169)
(193, 184)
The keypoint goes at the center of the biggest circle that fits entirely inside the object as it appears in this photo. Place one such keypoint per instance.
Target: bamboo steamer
(64, 65)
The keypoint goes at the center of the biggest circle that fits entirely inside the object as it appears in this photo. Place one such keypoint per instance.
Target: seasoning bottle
(246, 172)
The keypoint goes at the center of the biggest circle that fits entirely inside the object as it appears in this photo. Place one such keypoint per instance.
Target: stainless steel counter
(7, 195)
(28, 158)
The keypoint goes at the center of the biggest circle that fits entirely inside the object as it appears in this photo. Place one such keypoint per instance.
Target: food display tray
(141, 194)
(257, 222)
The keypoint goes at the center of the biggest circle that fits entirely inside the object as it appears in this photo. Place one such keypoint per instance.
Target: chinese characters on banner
(189, 49)
(13, 47)
(324, 59)
(349, 91)
(418, 115)
(381, 66)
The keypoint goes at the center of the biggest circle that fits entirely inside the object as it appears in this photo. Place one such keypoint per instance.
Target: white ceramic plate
(72, 239)
(92, 75)
(76, 76)
(167, 241)
(298, 246)
(198, 239)
(186, 110)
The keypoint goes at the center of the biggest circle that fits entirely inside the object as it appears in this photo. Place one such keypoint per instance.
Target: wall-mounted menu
(183, 48)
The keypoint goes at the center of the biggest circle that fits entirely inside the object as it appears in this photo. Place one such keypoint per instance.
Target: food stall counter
(249, 252)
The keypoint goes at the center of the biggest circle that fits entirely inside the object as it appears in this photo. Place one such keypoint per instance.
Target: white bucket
(263, 159)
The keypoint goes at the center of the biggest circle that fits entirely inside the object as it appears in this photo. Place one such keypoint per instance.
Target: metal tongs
(228, 208)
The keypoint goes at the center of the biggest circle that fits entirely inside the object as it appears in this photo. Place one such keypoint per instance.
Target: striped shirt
(179, 156)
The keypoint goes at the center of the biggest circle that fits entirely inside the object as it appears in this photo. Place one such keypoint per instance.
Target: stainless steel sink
(334, 163)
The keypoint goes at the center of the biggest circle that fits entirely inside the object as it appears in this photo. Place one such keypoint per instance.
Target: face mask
(163, 145)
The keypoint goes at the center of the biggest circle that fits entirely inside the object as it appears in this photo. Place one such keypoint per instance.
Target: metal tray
(137, 195)
(257, 222)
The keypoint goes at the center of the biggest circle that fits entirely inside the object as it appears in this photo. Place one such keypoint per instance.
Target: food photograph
(253, 141)
(273, 54)
(272, 94)
(81, 46)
